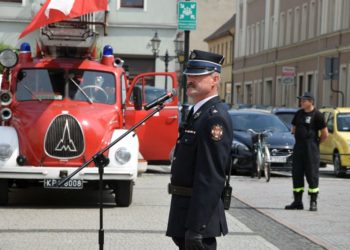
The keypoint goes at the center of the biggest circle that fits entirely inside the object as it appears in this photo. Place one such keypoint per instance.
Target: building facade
(283, 48)
(210, 15)
(131, 26)
(222, 42)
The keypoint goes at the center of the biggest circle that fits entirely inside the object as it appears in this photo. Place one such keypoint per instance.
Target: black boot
(297, 203)
(313, 201)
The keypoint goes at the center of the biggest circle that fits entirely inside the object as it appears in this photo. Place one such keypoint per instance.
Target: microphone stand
(102, 161)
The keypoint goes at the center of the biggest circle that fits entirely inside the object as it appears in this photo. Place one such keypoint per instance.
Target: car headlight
(5, 152)
(236, 145)
(122, 155)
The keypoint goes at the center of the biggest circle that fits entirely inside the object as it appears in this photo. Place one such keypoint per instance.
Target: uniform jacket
(201, 157)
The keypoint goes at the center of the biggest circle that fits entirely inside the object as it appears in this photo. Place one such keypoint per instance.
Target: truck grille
(64, 138)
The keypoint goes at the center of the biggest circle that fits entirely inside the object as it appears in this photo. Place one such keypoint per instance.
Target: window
(131, 3)
(282, 28)
(312, 19)
(331, 17)
(345, 19)
(252, 40)
(257, 37)
(226, 53)
(301, 85)
(310, 82)
(330, 123)
(238, 94)
(247, 48)
(296, 35)
(268, 92)
(248, 94)
(262, 35)
(303, 22)
(289, 27)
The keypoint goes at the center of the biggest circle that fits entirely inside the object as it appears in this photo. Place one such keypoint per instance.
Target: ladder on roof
(74, 37)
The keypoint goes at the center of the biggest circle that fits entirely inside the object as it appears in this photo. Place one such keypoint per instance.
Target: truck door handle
(172, 117)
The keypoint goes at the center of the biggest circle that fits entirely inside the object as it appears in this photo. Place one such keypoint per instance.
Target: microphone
(160, 100)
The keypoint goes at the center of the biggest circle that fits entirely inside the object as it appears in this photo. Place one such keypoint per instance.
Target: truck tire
(123, 193)
(4, 192)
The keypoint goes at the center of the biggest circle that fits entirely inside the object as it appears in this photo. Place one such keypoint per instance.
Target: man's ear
(216, 78)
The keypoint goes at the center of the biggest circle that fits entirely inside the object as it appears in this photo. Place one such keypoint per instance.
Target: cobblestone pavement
(40, 219)
(329, 226)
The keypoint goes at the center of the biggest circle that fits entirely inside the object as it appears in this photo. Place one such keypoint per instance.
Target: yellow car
(336, 149)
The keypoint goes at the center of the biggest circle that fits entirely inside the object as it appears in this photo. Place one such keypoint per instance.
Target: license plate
(278, 159)
(70, 184)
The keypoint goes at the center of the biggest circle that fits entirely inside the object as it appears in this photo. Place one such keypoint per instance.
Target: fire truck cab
(64, 105)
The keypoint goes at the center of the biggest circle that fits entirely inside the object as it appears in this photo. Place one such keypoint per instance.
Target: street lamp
(178, 42)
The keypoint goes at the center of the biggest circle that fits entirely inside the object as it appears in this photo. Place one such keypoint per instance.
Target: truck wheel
(123, 193)
(4, 192)
(338, 170)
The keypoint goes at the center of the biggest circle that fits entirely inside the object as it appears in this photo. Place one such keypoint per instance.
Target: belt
(178, 190)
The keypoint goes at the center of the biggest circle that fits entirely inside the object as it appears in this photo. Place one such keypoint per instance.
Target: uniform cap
(202, 63)
(307, 96)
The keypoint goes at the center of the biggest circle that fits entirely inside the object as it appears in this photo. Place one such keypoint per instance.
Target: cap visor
(197, 72)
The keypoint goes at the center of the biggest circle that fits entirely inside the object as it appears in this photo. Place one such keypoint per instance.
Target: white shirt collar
(201, 103)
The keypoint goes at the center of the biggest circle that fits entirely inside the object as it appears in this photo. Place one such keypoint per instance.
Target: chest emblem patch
(308, 119)
(216, 132)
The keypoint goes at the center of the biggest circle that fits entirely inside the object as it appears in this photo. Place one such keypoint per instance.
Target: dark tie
(190, 114)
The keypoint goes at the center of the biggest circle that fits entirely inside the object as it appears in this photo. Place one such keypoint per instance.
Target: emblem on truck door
(64, 138)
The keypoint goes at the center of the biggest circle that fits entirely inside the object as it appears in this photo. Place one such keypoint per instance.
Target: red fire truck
(63, 105)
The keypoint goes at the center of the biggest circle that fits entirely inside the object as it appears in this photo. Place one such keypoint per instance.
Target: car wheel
(338, 170)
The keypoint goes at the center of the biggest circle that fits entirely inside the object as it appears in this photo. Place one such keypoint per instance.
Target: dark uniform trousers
(200, 160)
(209, 243)
(306, 161)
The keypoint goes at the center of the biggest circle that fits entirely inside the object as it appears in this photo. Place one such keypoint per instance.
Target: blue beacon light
(108, 50)
(25, 48)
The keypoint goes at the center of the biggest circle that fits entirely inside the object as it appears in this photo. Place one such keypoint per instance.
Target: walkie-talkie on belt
(227, 193)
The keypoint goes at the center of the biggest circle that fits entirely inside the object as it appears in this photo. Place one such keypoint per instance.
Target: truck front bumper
(88, 173)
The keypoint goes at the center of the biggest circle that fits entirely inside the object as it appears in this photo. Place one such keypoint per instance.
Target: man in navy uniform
(201, 157)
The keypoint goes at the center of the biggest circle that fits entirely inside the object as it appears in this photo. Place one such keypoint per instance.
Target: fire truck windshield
(58, 84)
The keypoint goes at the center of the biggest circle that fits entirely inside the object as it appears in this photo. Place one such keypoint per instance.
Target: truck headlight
(5, 152)
(122, 155)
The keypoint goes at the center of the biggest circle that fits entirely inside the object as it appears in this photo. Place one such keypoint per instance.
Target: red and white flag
(57, 10)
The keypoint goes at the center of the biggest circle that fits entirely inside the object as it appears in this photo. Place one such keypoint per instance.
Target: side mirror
(137, 98)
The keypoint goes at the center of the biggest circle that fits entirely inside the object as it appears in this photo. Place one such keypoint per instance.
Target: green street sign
(187, 16)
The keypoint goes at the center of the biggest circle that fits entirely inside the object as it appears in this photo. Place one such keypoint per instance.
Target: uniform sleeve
(320, 121)
(294, 121)
(212, 159)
